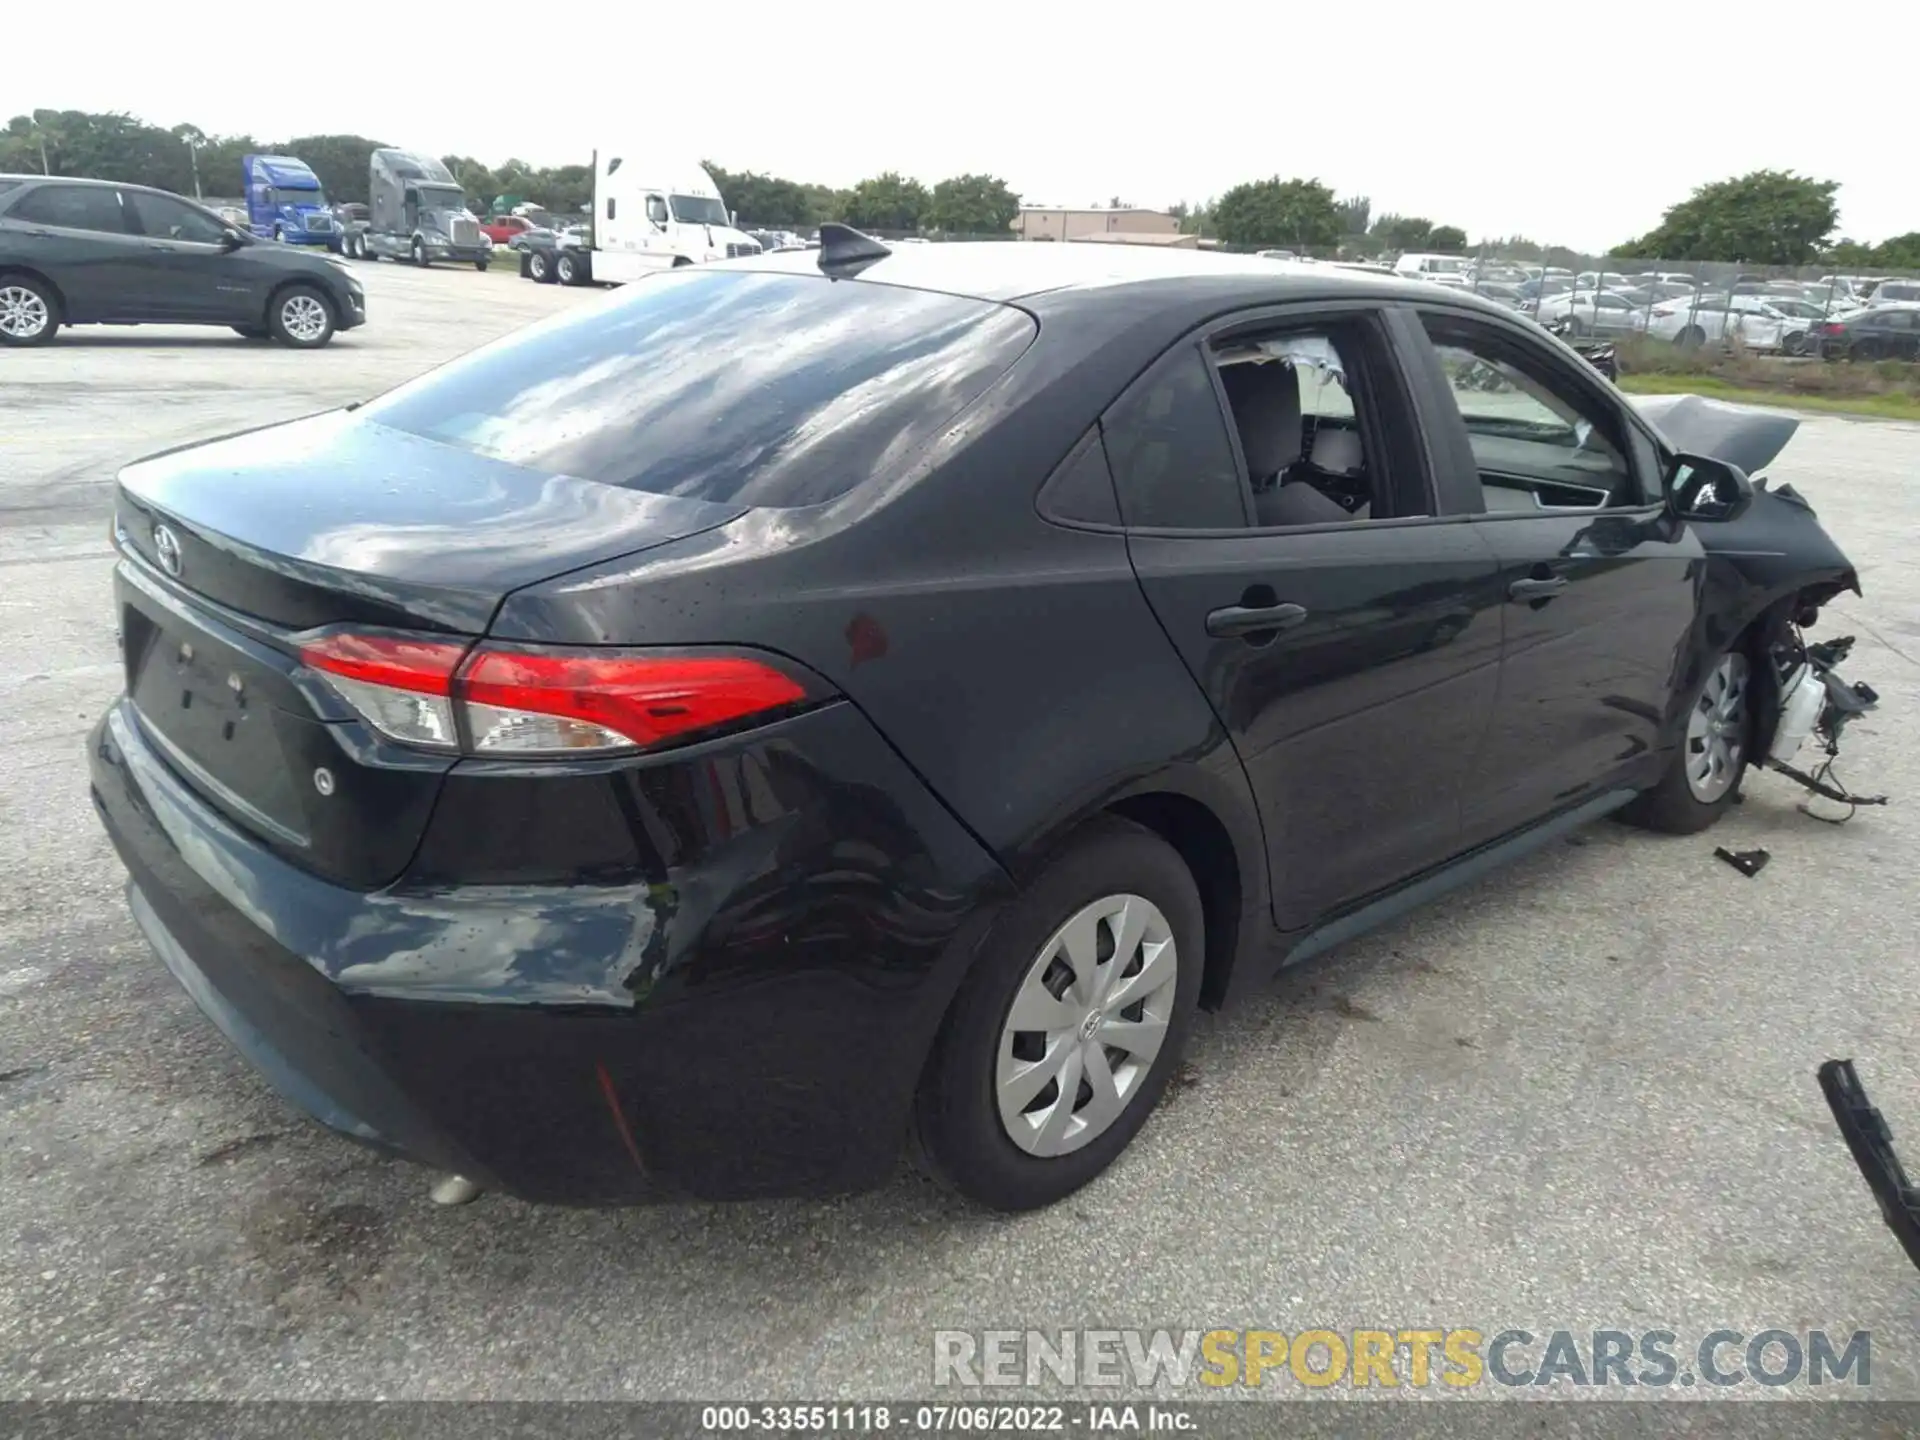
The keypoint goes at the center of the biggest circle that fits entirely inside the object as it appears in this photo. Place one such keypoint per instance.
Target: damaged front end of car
(1769, 573)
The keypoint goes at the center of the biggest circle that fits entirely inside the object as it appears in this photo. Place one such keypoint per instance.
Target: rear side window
(728, 386)
(72, 207)
(1172, 459)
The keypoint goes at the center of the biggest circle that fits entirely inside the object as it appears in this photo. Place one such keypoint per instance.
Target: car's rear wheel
(1062, 1039)
(29, 312)
(1704, 777)
(1692, 337)
(539, 267)
(301, 317)
(1794, 342)
(567, 269)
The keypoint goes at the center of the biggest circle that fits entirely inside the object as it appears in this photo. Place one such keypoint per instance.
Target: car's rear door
(1562, 483)
(1351, 660)
(80, 238)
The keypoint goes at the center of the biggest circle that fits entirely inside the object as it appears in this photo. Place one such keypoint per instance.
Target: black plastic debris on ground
(1748, 862)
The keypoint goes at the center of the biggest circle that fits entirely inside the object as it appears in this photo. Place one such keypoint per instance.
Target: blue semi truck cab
(285, 201)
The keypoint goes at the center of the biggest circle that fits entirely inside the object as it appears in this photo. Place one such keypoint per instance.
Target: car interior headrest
(1266, 410)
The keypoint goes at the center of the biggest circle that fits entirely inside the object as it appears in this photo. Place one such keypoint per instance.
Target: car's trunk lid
(236, 548)
(337, 519)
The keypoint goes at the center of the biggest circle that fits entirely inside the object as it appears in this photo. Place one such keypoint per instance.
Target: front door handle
(1231, 621)
(1537, 587)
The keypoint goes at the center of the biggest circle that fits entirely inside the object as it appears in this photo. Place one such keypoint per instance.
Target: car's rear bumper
(750, 1022)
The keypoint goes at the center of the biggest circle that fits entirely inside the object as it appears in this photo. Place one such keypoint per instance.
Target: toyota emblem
(166, 549)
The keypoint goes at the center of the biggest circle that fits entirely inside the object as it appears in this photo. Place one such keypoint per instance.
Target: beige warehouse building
(1043, 223)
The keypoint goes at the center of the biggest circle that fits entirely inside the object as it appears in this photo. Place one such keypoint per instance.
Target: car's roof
(1015, 270)
(73, 180)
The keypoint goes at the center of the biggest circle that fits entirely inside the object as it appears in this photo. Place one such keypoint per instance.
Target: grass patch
(1884, 389)
(1879, 407)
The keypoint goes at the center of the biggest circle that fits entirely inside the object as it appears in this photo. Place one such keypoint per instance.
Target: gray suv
(92, 252)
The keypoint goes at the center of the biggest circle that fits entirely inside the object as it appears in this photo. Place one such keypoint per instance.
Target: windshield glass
(439, 198)
(284, 196)
(759, 389)
(698, 210)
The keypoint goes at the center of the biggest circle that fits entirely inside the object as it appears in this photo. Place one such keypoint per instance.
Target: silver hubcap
(23, 314)
(1085, 1025)
(304, 317)
(1717, 730)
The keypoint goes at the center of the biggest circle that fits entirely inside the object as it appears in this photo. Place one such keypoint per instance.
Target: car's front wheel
(29, 312)
(1062, 1039)
(301, 317)
(1704, 777)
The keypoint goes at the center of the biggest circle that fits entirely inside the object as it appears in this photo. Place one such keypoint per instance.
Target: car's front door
(1279, 515)
(195, 278)
(1601, 585)
(80, 236)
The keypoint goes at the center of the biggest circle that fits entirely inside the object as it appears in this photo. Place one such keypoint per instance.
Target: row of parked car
(1835, 316)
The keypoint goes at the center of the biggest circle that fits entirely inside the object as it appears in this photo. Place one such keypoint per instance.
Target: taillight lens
(556, 703)
(543, 702)
(1832, 329)
(400, 684)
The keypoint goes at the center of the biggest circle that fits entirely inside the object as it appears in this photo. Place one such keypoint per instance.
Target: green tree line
(189, 161)
(1767, 217)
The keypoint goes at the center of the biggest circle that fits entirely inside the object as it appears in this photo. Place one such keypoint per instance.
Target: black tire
(279, 236)
(30, 302)
(566, 269)
(1575, 325)
(958, 1133)
(1692, 337)
(540, 267)
(420, 256)
(1794, 342)
(1671, 807)
(680, 260)
(252, 332)
(481, 265)
(291, 330)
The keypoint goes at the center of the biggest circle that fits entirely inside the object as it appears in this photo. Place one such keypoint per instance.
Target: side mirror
(231, 239)
(1700, 488)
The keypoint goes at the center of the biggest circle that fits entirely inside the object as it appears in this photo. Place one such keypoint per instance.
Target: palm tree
(45, 127)
(193, 137)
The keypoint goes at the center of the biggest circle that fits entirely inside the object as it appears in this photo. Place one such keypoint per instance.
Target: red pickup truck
(502, 228)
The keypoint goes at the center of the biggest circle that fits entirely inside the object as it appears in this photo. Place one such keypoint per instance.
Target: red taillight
(554, 702)
(541, 702)
(1830, 328)
(401, 684)
(402, 662)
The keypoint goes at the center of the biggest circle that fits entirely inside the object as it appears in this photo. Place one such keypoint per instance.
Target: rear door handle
(1235, 620)
(1535, 588)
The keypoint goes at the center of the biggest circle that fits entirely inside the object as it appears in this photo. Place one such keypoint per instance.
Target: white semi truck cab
(647, 215)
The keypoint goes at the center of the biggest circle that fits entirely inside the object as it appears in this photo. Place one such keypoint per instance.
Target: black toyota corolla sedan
(807, 707)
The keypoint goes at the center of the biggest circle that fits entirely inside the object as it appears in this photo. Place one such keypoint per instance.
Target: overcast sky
(1560, 123)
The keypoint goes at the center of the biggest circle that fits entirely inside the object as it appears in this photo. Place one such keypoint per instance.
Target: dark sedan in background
(91, 252)
(1885, 332)
(604, 778)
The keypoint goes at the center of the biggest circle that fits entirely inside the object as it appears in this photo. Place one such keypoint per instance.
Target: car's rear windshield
(730, 386)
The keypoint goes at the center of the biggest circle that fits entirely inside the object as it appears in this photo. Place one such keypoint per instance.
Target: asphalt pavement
(1577, 1095)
